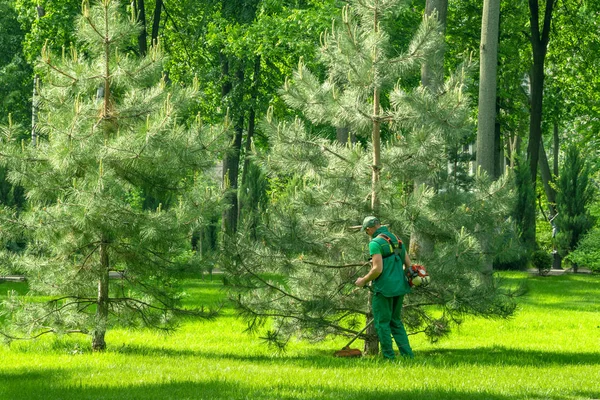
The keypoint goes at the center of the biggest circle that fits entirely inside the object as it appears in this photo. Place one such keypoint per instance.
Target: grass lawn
(549, 350)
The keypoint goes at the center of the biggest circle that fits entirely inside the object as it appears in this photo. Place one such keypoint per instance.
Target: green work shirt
(392, 281)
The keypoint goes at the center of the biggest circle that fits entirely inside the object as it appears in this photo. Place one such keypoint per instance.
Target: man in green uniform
(389, 286)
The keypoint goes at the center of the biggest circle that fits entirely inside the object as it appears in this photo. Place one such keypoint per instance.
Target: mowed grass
(549, 350)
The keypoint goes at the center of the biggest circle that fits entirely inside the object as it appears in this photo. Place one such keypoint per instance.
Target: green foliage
(587, 253)
(575, 193)
(302, 268)
(542, 260)
(524, 211)
(47, 22)
(15, 73)
(99, 152)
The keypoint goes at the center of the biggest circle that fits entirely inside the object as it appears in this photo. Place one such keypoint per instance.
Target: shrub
(542, 260)
(587, 253)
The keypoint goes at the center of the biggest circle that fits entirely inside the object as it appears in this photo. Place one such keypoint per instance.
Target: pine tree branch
(335, 266)
(10, 337)
(48, 63)
(182, 311)
(264, 282)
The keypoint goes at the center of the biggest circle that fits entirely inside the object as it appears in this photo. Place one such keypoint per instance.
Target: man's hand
(360, 282)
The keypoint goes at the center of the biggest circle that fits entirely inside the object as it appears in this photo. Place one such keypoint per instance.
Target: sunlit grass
(549, 350)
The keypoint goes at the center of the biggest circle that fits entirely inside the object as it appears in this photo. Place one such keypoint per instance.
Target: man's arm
(377, 267)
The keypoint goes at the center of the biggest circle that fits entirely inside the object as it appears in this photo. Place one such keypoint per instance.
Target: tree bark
(141, 19)
(539, 46)
(486, 118)
(156, 21)
(231, 161)
(98, 342)
(556, 148)
(34, 109)
(251, 118)
(547, 181)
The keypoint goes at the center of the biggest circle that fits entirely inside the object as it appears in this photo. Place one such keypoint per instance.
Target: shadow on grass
(501, 356)
(507, 356)
(313, 359)
(36, 385)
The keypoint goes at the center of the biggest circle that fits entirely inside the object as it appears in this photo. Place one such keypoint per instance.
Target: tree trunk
(251, 119)
(556, 148)
(547, 180)
(539, 46)
(499, 157)
(231, 162)
(34, 109)
(486, 119)
(343, 134)
(372, 342)
(156, 21)
(432, 77)
(98, 342)
(141, 19)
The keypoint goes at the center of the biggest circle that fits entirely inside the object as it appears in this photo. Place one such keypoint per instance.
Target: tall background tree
(110, 132)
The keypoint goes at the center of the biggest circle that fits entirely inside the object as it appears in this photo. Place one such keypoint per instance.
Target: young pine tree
(575, 193)
(111, 135)
(300, 273)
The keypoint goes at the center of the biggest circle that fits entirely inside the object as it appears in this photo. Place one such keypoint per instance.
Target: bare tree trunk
(556, 148)
(231, 163)
(156, 21)
(539, 45)
(486, 119)
(547, 181)
(35, 101)
(141, 19)
(251, 118)
(432, 76)
(98, 342)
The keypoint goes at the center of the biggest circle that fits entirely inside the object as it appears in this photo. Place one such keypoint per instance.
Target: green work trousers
(388, 324)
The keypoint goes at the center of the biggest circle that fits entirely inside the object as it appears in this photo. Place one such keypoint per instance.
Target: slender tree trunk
(156, 21)
(141, 19)
(556, 148)
(34, 109)
(231, 161)
(432, 76)
(486, 119)
(98, 342)
(539, 46)
(251, 119)
(547, 180)
(499, 158)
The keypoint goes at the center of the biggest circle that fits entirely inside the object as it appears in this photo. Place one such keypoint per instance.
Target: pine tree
(575, 193)
(300, 273)
(112, 135)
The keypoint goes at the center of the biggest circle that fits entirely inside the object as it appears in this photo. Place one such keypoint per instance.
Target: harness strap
(392, 247)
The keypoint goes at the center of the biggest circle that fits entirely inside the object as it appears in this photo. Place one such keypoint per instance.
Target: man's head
(370, 225)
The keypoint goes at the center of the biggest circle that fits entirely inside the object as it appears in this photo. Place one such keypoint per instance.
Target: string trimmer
(346, 351)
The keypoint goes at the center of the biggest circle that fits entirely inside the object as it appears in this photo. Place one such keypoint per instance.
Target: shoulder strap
(394, 249)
